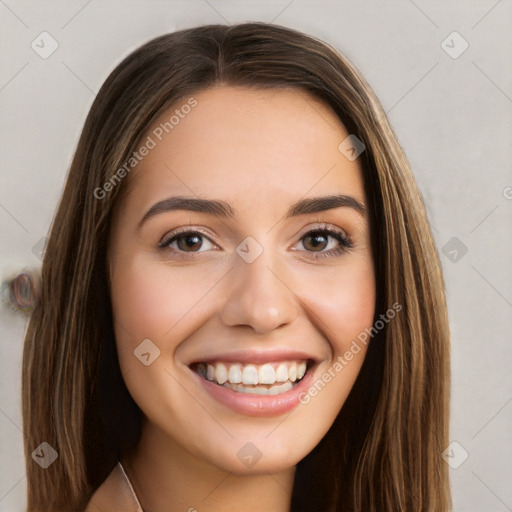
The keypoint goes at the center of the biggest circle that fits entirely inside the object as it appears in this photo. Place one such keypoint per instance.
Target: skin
(260, 151)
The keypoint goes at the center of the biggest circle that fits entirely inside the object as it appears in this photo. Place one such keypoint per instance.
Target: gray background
(452, 116)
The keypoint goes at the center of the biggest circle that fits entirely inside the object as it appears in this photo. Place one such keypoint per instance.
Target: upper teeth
(268, 373)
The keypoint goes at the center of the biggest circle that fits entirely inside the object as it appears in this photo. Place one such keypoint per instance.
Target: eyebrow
(225, 210)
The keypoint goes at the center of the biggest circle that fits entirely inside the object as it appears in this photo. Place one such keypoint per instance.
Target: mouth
(271, 378)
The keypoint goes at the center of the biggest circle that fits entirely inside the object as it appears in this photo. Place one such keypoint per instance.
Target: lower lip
(258, 405)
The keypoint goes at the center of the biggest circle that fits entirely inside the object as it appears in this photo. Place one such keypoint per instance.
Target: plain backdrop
(443, 73)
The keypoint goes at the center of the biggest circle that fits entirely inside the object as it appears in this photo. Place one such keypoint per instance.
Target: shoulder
(113, 495)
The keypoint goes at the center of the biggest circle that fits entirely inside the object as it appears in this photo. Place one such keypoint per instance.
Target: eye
(319, 242)
(187, 241)
(323, 242)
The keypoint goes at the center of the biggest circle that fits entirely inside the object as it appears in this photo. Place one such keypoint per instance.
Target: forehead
(257, 146)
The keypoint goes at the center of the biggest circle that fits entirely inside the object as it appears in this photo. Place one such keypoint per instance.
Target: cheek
(344, 306)
(150, 301)
(343, 303)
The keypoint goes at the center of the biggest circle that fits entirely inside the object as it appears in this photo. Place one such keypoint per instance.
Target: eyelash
(344, 241)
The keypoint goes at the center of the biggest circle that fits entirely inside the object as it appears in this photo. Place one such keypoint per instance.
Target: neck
(168, 478)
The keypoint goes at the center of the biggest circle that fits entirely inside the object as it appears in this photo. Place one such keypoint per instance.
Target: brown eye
(190, 241)
(318, 240)
(187, 241)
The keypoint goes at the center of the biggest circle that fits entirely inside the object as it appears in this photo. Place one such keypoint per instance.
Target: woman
(242, 303)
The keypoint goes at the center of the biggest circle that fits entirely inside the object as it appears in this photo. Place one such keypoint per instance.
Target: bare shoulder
(112, 495)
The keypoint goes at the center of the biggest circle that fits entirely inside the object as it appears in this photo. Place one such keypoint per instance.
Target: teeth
(221, 373)
(259, 390)
(292, 372)
(282, 373)
(266, 374)
(236, 375)
(301, 370)
(201, 369)
(250, 374)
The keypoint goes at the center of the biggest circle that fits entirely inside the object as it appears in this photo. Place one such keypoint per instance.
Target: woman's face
(258, 286)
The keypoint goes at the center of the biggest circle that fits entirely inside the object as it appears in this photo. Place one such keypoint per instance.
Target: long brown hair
(383, 452)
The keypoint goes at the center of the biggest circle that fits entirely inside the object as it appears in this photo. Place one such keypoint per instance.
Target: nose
(259, 297)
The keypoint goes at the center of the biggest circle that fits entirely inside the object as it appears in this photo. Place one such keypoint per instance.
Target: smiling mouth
(265, 379)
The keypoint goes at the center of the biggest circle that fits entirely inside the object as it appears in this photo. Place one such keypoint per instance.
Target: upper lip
(255, 356)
